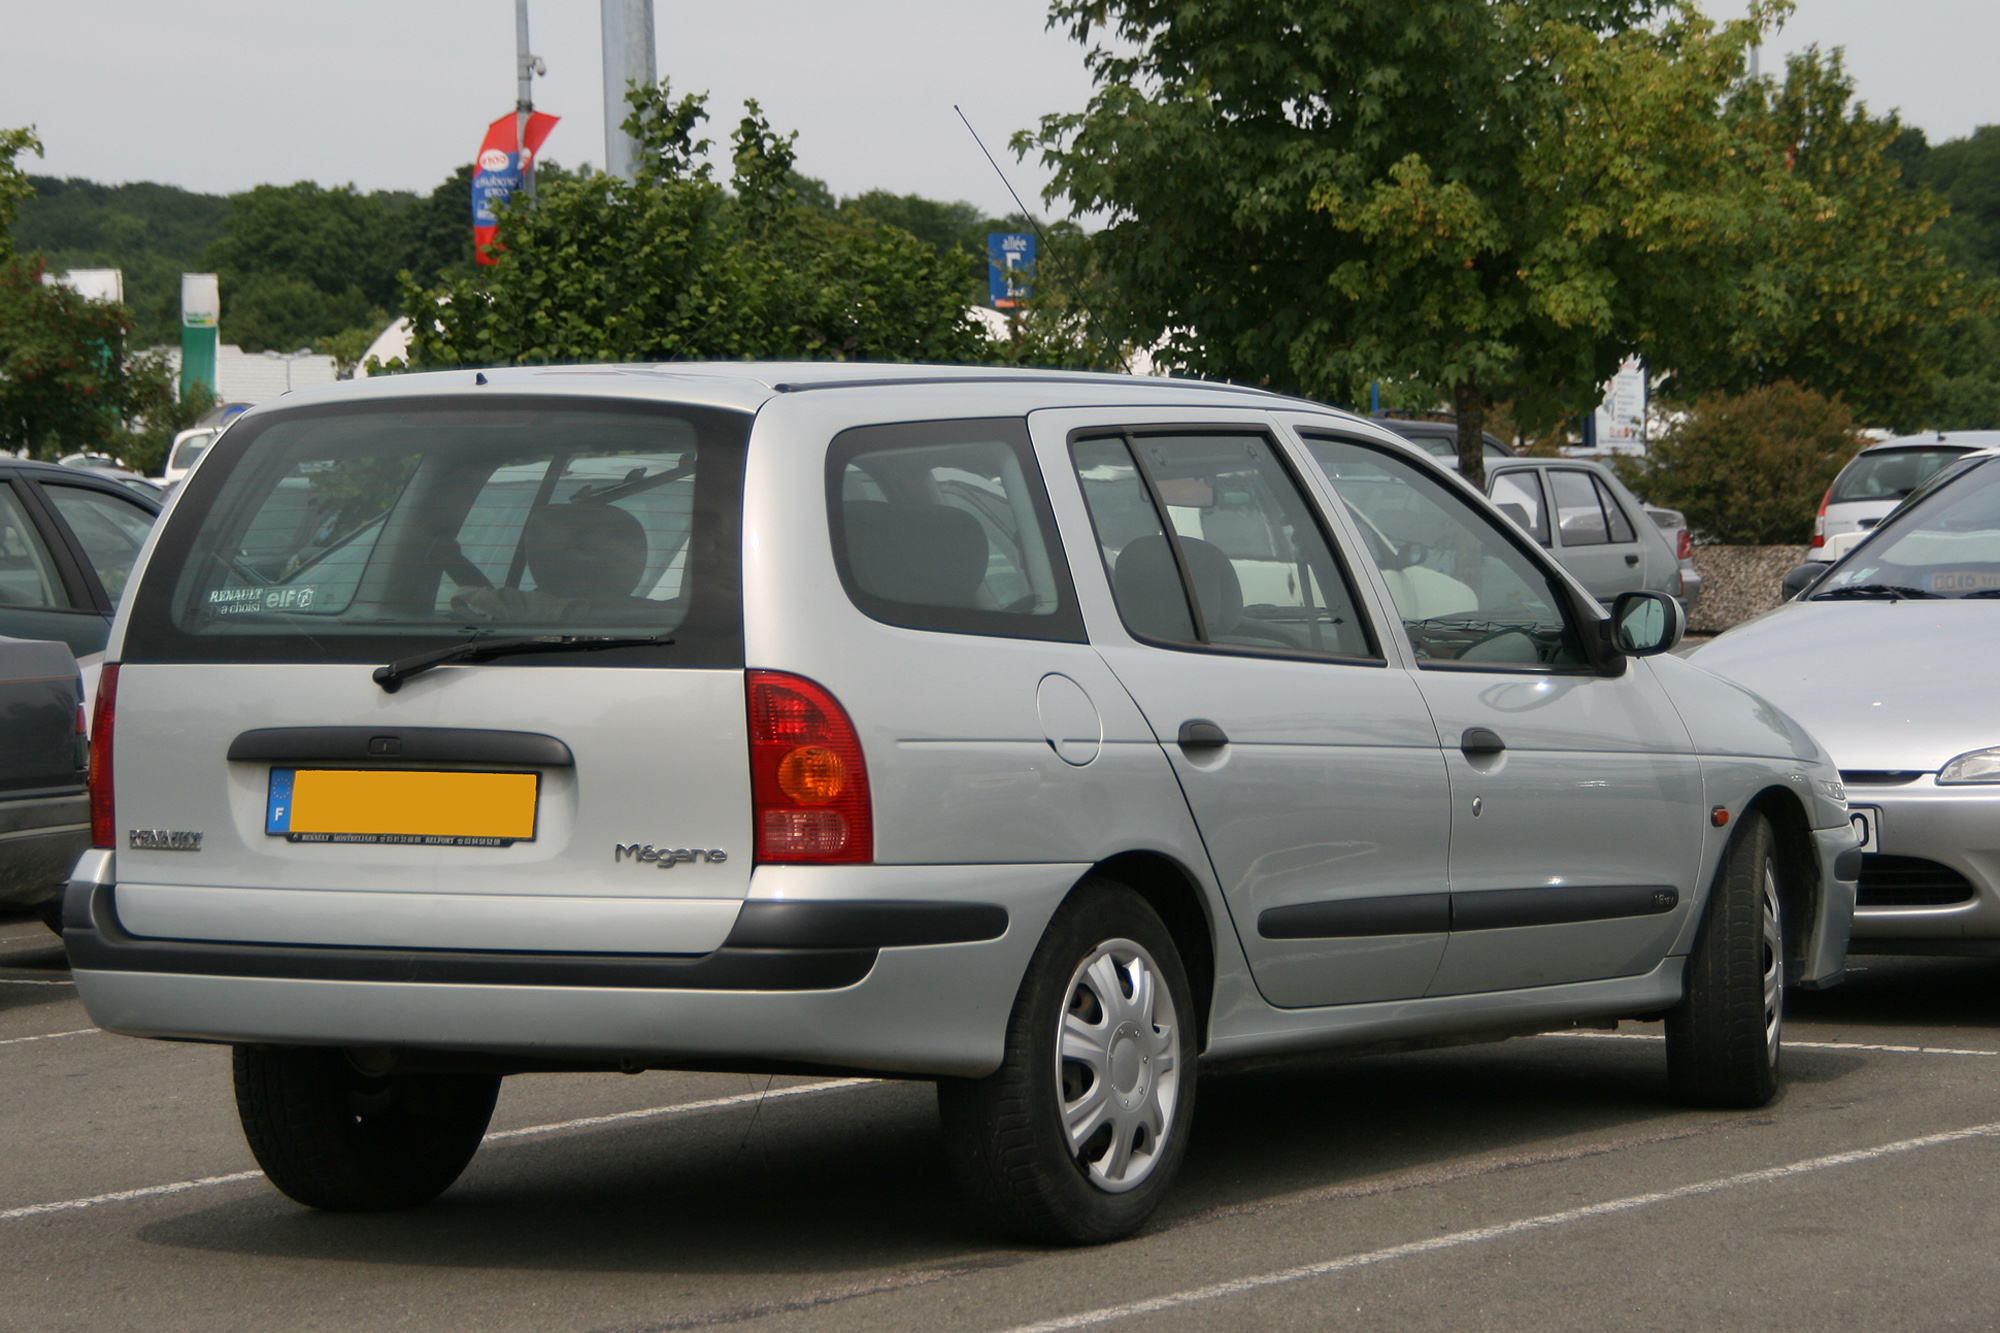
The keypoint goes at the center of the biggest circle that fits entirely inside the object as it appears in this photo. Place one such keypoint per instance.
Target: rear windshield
(376, 531)
(1888, 474)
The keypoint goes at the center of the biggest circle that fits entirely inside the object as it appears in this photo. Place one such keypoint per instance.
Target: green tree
(1853, 294)
(675, 265)
(66, 381)
(1749, 469)
(1498, 200)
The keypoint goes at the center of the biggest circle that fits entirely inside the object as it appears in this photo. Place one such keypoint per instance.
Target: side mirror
(1645, 624)
(1802, 577)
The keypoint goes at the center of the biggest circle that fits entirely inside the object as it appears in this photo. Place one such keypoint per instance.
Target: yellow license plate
(391, 805)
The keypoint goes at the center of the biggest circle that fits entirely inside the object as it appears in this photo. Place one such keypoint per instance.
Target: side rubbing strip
(1498, 909)
(1408, 914)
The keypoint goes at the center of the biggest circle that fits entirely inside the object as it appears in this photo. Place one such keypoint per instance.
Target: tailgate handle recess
(437, 745)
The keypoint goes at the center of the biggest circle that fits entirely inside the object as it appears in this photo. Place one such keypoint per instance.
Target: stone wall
(1739, 582)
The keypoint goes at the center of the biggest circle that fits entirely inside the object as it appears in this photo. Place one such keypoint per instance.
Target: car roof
(748, 385)
(1948, 439)
(100, 480)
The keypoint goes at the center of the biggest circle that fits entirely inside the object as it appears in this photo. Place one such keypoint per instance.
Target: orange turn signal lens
(1719, 816)
(812, 775)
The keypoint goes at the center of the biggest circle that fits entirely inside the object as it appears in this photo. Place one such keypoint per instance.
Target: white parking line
(1236, 1286)
(48, 1036)
(1807, 1045)
(204, 1182)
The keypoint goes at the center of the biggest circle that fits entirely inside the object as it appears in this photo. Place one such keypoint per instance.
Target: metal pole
(628, 59)
(524, 97)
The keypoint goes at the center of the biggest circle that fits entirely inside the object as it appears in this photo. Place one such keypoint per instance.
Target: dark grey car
(44, 808)
(68, 538)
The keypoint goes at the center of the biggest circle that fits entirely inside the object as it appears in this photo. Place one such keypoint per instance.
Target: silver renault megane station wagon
(1054, 737)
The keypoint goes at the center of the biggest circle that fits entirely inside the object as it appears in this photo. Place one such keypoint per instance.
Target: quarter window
(945, 525)
(1207, 540)
(1464, 591)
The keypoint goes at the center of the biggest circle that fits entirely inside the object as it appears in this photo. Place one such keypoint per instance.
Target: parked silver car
(1889, 658)
(1052, 737)
(1597, 528)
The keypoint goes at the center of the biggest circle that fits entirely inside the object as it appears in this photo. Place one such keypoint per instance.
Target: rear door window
(945, 525)
(109, 529)
(1579, 511)
(1208, 541)
(346, 533)
(27, 574)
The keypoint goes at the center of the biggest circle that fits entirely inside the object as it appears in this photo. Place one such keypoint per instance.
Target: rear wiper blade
(1895, 592)
(391, 677)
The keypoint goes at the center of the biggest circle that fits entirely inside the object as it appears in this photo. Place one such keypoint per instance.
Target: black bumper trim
(97, 943)
(856, 923)
(1491, 909)
(1400, 914)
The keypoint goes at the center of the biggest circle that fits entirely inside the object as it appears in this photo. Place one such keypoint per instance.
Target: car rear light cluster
(1819, 522)
(807, 777)
(103, 817)
(1684, 545)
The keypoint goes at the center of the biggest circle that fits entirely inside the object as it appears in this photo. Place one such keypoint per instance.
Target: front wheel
(1077, 1135)
(335, 1136)
(1723, 1038)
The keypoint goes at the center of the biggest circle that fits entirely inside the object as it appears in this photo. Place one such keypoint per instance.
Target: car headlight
(1974, 766)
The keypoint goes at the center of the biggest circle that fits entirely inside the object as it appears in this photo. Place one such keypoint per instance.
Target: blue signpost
(1010, 267)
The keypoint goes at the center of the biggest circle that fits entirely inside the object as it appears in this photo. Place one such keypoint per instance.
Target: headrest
(586, 550)
(926, 554)
(1148, 586)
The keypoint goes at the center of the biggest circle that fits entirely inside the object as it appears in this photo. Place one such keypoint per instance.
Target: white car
(1880, 477)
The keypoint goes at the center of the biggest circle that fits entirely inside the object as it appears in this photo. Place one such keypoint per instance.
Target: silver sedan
(1889, 661)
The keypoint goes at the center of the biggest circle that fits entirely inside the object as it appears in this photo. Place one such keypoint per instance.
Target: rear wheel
(333, 1136)
(1723, 1038)
(1077, 1135)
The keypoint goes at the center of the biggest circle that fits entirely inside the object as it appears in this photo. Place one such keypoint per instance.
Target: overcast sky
(220, 95)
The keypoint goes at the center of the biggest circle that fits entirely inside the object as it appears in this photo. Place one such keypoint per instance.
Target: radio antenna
(1040, 239)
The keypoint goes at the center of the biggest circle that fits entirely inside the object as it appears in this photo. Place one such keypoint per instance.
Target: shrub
(1749, 470)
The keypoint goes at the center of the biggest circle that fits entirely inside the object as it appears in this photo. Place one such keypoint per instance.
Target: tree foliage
(1749, 469)
(675, 265)
(1498, 199)
(66, 381)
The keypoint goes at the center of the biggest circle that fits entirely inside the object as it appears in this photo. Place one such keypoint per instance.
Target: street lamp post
(526, 66)
(628, 59)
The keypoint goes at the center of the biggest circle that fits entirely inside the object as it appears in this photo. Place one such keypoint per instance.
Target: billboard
(1010, 268)
(496, 174)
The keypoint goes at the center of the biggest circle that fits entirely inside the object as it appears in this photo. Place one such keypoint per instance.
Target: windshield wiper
(391, 677)
(1894, 592)
(1979, 592)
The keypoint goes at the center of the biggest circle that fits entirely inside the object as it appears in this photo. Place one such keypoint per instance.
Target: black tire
(1006, 1135)
(335, 1138)
(1724, 1038)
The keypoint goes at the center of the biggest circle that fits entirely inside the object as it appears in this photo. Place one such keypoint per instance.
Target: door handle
(1480, 740)
(1631, 559)
(1201, 734)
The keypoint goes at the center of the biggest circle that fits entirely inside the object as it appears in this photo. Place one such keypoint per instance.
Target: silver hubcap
(1116, 1068)
(1774, 964)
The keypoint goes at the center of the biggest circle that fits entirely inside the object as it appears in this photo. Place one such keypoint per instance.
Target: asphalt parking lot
(1542, 1183)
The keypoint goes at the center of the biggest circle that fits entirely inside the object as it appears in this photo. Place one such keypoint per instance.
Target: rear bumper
(813, 974)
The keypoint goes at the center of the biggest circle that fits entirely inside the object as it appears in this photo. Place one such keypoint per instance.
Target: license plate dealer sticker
(395, 806)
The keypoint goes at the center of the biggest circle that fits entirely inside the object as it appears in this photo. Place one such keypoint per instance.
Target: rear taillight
(1684, 545)
(103, 818)
(1819, 521)
(807, 777)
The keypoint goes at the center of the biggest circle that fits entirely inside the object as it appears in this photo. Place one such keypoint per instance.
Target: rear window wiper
(391, 677)
(1894, 592)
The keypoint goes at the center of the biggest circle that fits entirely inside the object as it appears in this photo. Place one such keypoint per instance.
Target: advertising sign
(1621, 418)
(497, 173)
(1010, 267)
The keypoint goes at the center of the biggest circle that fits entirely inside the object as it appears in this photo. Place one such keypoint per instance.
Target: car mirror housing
(1802, 577)
(1645, 624)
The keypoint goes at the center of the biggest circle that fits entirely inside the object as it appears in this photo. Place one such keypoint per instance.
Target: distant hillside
(153, 232)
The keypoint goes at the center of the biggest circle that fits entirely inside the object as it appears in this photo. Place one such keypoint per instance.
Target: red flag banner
(497, 173)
